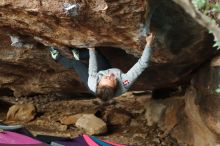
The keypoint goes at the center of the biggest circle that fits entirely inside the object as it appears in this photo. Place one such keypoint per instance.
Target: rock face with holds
(180, 47)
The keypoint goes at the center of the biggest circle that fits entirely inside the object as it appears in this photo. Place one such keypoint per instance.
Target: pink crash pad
(7, 137)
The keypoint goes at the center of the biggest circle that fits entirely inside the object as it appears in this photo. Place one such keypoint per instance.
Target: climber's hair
(105, 93)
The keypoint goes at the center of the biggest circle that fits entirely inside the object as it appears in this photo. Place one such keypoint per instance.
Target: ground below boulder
(135, 131)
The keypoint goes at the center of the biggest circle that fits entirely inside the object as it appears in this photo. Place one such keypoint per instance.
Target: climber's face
(108, 80)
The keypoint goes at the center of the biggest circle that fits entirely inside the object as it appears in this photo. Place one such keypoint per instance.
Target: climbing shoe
(75, 53)
(54, 53)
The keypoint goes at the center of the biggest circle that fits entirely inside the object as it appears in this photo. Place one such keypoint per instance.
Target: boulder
(207, 87)
(21, 112)
(91, 124)
(117, 28)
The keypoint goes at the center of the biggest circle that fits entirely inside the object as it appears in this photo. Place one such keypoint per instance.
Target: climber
(102, 80)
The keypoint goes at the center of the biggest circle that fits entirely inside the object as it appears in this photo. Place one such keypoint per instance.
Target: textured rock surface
(181, 45)
(185, 120)
(153, 112)
(21, 112)
(30, 71)
(91, 124)
(202, 136)
(70, 119)
(117, 117)
(208, 95)
(97, 23)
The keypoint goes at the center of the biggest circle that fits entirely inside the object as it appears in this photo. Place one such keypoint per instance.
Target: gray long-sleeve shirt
(125, 80)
